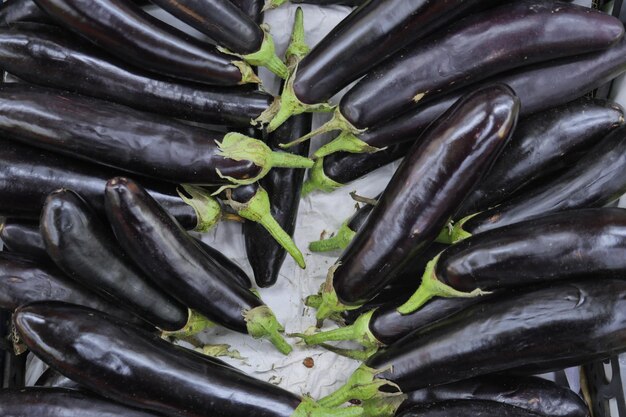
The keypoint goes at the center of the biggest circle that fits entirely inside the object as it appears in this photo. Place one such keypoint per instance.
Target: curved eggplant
(53, 379)
(124, 30)
(422, 195)
(459, 408)
(237, 273)
(13, 11)
(252, 8)
(22, 236)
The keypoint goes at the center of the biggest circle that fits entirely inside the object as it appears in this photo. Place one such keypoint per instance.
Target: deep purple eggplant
(143, 143)
(551, 328)
(58, 402)
(172, 259)
(597, 179)
(252, 8)
(460, 408)
(13, 11)
(22, 236)
(425, 191)
(30, 52)
(238, 274)
(115, 360)
(124, 30)
(53, 379)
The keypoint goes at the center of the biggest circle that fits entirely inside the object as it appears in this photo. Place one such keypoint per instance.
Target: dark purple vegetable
(237, 273)
(459, 408)
(115, 360)
(53, 379)
(124, 30)
(422, 195)
(147, 144)
(175, 262)
(22, 236)
(13, 11)
(252, 8)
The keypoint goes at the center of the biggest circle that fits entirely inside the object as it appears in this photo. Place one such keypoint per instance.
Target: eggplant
(115, 360)
(13, 11)
(58, 402)
(239, 276)
(30, 52)
(171, 258)
(147, 144)
(22, 236)
(124, 30)
(53, 379)
(598, 178)
(425, 191)
(369, 35)
(460, 408)
(550, 328)
(252, 8)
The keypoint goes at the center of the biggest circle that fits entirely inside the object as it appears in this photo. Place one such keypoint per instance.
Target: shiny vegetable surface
(459, 408)
(13, 11)
(22, 236)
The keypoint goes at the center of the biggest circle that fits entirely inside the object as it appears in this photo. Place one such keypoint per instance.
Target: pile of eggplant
(495, 253)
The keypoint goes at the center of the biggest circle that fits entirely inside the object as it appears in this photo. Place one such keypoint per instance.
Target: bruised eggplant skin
(540, 327)
(597, 179)
(58, 402)
(541, 145)
(53, 379)
(85, 249)
(124, 30)
(283, 186)
(115, 360)
(462, 408)
(538, 395)
(115, 135)
(30, 51)
(482, 45)
(411, 211)
(22, 236)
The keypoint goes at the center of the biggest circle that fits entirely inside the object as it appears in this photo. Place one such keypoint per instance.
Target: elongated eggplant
(459, 408)
(22, 236)
(67, 338)
(252, 8)
(597, 179)
(124, 30)
(422, 195)
(542, 327)
(238, 274)
(172, 259)
(368, 36)
(30, 52)
(115, 135)
(58, 402)
(13, 11)
(53, 379)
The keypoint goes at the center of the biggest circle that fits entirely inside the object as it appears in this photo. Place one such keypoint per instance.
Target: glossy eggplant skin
(597, 179)
(28, 175)
(13, 11)
(461, 408)
(368, 36)
(85, 249)
(124, 30)
(23, 281)
(238, 274)
(29, 52)
(411, 211)
(484, 44)
(53, 379)
(543, 144)
(283, 186)
(172, 259)
(538, 395)
(115, 135)
(252, 8)
(58, 402)
(128, 357)
(22, 236)
(542, 327)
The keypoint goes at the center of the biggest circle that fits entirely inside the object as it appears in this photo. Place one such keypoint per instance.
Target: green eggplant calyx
(337, 122)
(208, 209)
(345, 142)
(358, 331)
(268, 114)
(458, 232)
(248, 76)
(318, 180)
(297, 48)
(330, 304)
(262, 324)
(432, 287)
(309, 408)
(383, 407)
(356, 354)
(341, 240)
(313, 301)
(217, 351)
(266, 56)
(196, 323)
(272, 4)
(363, 385)
(258, 210)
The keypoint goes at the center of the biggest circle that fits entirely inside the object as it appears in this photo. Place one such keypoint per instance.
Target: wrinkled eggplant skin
(537, 395)
(53, 379)
(541, 145)
(597, 179)
(84, 247)
(29, 51)
(485, 44)
(13, 11)
(28, 175)
(283, 186)
(220, 20)
(368, 36)
(172, 259)
(411, 212)
(252, 8)
(123, 29)
(23, 281)
(540, 327)
(561, 246)
(58, 402)
(115, 135)
(22, 236)
(238, 274)
(115, 360)
(461, 408)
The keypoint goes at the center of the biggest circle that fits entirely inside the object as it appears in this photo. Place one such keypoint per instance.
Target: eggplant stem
(318, 180)
(330, 304)
(19, 347)
(346, 142)
(356, 354)
(337, 122)
(341, 240)
(208, 210)
(248, 76)
(313, 301)
(297, 48)
(222, 350)
(358, 331)
(262, 324)
(272, 4)
(383, 407)
(266, 56)
(458, 233)
(196, 323)
(309, 408)
(365, 200)
(268, 114)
